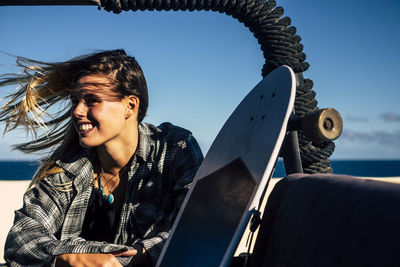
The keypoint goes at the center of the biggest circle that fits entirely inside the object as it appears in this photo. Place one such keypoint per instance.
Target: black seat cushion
(330, 220)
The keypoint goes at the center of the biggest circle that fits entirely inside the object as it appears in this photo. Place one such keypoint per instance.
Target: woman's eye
(91, 101)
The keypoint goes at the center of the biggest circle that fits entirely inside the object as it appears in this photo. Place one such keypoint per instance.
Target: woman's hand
(89, 260)
(127, 253)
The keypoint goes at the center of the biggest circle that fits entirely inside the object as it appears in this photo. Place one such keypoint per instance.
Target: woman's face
(100, 117)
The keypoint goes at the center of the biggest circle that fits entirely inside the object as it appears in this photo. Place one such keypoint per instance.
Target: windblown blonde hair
(42, 85)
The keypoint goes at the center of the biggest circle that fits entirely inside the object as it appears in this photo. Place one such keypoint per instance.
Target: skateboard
(232, 176)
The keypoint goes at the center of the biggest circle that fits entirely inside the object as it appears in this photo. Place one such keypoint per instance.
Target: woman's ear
(132, 106)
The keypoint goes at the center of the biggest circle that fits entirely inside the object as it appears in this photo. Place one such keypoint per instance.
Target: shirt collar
(77, 160)
(143, 149)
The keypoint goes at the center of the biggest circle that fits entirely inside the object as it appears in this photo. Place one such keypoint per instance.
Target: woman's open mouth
(85, 128)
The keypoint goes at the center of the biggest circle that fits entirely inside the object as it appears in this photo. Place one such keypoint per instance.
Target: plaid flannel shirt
(50, 221)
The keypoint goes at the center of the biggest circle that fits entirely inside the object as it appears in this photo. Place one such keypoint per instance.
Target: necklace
(110, 197)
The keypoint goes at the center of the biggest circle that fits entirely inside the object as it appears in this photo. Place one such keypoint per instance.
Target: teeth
(85, 127)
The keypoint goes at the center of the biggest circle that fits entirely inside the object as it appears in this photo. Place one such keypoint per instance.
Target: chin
(88, 144)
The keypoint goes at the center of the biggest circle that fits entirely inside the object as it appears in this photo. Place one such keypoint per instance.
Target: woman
(111, 189)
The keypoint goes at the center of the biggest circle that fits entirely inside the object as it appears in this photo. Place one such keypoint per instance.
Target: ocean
(24, 170)
(362, 168)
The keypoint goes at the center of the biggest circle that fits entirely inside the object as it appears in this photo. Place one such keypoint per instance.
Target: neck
(116, 154)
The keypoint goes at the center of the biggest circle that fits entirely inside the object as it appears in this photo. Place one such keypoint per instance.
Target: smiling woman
(101, 114)
(110, 191)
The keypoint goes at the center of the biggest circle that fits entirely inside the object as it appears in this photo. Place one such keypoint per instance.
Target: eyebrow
(105, 95)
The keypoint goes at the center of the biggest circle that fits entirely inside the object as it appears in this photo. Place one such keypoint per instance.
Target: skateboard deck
(232, 176)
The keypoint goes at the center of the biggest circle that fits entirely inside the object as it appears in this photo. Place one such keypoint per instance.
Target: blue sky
(200, 65)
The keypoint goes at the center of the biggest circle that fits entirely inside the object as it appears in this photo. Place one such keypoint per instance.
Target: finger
(128, 253)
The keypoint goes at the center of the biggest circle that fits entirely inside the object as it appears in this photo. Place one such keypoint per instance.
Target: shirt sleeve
(34, 237)
(185, 165)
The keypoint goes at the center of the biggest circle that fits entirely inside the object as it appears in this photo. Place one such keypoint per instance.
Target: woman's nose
(80, 110)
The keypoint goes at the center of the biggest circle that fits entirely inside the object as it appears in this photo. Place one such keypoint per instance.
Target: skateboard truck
(319, 126)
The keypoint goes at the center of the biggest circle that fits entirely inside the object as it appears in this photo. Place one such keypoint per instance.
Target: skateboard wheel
(322, 125)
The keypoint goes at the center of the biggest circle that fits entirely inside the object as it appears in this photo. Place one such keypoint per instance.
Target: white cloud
(390, 117)
(385, 138)
(357, 119)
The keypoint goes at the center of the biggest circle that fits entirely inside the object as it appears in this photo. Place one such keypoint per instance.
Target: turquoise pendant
(109, 198)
